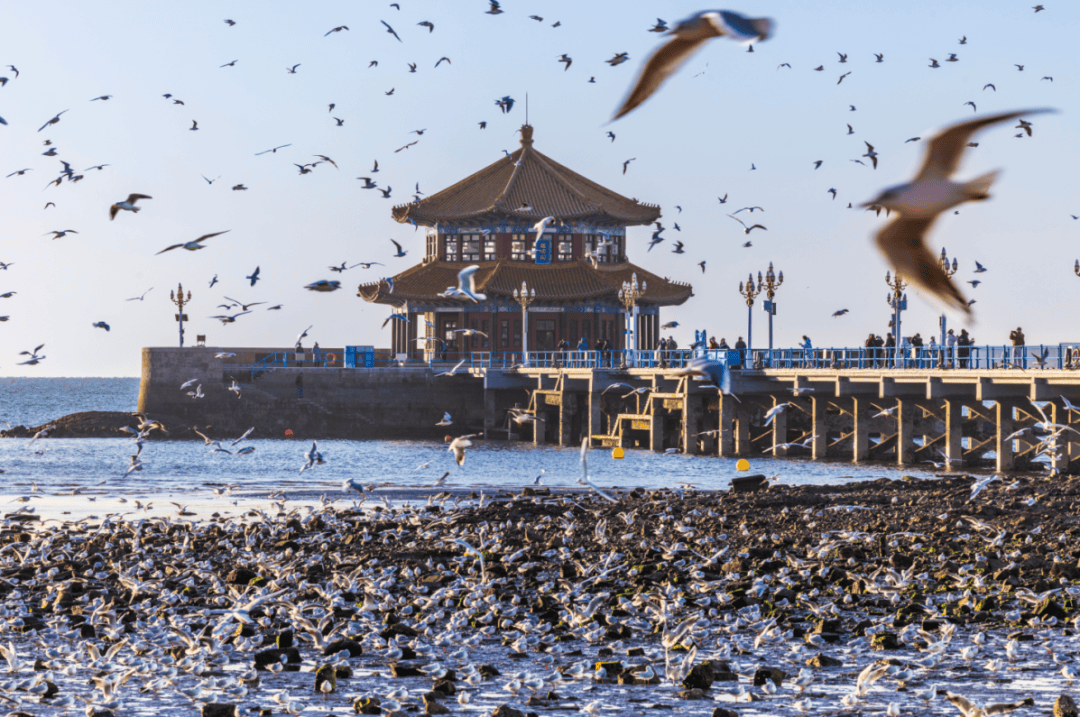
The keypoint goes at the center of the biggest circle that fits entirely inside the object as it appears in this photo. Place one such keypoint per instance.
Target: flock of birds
(189, 613)
(917, 203)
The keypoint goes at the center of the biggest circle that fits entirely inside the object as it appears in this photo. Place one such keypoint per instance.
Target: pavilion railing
(912, 358)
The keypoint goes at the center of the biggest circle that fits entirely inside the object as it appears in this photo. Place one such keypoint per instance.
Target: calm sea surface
(188, 471)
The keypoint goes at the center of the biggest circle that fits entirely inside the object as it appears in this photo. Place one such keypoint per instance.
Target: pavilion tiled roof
(525, 187)
(562, 281)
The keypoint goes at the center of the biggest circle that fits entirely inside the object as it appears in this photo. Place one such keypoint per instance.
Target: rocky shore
(858, 598)
(103, 424)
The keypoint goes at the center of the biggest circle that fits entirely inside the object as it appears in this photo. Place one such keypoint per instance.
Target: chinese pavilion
(576, 268)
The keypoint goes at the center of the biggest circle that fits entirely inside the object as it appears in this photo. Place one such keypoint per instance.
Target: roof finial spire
(526, 108)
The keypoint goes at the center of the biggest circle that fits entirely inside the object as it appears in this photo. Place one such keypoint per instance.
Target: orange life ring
(331, 358)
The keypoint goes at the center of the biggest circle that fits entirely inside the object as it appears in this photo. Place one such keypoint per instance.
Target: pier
(841, 404)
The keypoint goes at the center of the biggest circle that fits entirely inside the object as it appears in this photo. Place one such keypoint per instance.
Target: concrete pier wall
(347, 403)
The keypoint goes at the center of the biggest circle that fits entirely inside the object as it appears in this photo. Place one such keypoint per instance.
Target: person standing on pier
(950, 351)
(808, 352)
(299, 386)
(917, 344)
(562, 347)
(1018, 342)
(599, 353)
(740, 346)
(890, 350)
(316, 354)
(662, 352)
(583, 348)
(712, 343)
(871, 351)
(964, 342)
(299, 354)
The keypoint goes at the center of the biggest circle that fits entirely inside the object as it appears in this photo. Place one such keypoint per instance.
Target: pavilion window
(489, 247)
(566, 247)
(588, 244)
(504, 334)
(470, 247)
(452, 247)
(517, 333)
(485, 327)
(475, 338)
(432, 246)
(519, 247)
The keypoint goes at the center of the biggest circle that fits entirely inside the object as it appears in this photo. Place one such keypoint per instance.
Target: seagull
(229, 319)
(101, 325)
(688, 36)
(389, 30)
(452, 371)
(429, 25)
(400, 252)
(970, 709)
(292, 70)
(746, 229)
(54, 120)
(140, 298)
(458, 446)
(567, 60)
(243, 306)
(467, 283)
(920, 201)
(193, 245)
(446, 420)
(254, 276)
(324, 286)
(339, 28)
(230, 64)
(841, 312)
(870, 153)
(275, 149)
(127, 205)
(57, 234)
(194, 126)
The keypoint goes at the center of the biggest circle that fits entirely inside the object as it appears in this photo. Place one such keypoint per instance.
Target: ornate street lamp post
(1076, 267)
(524, 297)
(629, 295)
(949, 271)
(178, 299)
(770, 285)
(898, 301)
(750, 292)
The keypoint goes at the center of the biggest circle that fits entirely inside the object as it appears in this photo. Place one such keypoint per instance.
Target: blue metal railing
(913, 358)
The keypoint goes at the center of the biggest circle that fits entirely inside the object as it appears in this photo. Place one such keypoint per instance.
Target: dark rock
(353, 647)
(263, 658)
(691, 695)
(220, 709)
(284, 639)
(445, 687)
(1065, 706)
(399, 670)
(241, 576)
(434, 708)
(326, 679)
(820, 660)
(87, 632)
(721, 712)
(885, 641)
(487, 671)
(764, 674)
(366, 705)
(747, 484)
(635, 652)
(1050, 608)
(506, 711)
(823, 626)
(701, 677)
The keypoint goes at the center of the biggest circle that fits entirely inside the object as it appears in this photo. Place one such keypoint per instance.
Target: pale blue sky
(693, 141)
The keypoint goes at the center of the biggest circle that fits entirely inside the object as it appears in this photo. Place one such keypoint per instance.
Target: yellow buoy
(742, 465)
(617, 452)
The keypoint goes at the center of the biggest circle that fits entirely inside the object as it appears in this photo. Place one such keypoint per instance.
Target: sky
(695, 140)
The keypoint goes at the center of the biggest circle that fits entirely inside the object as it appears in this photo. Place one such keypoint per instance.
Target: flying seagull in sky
(193, 245)
(275, 149)
(919, 202)
(127, 205)
(54, 120)
(688, 37)
(390, 30)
